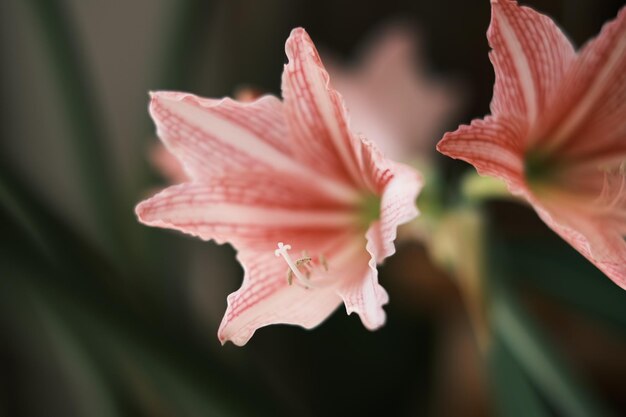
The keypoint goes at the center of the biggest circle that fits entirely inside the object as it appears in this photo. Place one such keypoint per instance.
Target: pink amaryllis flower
(310, 207)
(557, 132)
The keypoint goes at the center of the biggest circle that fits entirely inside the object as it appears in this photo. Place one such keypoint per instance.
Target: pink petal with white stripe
(365, 296)
(233, 136)
(589, 116)
(266, 298)
(493, 145)
(530, 55)
(396, 208)
(601, 243)
(168, 165)
(316, 113)
(248, 209)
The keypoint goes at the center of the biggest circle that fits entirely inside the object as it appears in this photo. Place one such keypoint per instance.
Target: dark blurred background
(100, 316)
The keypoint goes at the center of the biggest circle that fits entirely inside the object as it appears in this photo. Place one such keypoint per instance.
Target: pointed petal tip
(143, 211)
(299, 38)
(140, 210)
(226, 334)
(367, 298)
(446, 142)
(371, 322)
(159, 97)
(164, 95)
(298, 32)
(441, 145)
(239, 340)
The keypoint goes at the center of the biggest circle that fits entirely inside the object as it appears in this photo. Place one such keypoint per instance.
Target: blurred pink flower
(271, 171)
(391, 96)
(167, 164)
(557, 132)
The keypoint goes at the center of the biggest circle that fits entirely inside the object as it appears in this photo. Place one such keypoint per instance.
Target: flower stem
(476, 188)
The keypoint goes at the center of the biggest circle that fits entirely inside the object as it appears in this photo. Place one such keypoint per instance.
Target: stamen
(324, 262)
(305, 263)
(612, 195)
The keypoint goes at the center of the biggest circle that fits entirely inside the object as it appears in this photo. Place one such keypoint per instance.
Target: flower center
(305, 268)
(537, 168)
(369, 210)
(542, 171)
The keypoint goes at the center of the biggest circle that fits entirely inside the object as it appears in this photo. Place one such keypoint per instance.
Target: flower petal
(253, 210)
(211, 137)
(493, 145)
(397, 207)
(588, 121)
(363, 295)
(316, 113)
(597, 240)
(266, 298)
(230, 134)
(530, 55)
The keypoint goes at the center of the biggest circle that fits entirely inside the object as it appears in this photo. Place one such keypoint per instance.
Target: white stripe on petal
(522, 66)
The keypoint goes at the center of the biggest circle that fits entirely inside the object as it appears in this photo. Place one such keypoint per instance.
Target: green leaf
(88, 132)
(541, 363)
(552, 266)
(39, 238)
(23, 217)
(152, 369)
(91, 393)
(514, 394)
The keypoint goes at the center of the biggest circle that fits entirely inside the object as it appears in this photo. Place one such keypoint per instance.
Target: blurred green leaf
(149, 367)
(24, 218)
(49, 242)
(542, 364)
(180, 56)
(554, 267)
(510, 266)
(84, 117)
(92, 395)
(515, 395)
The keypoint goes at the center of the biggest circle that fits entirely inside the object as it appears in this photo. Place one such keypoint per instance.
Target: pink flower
(557, 133)
(310, 207)
(392, 98)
